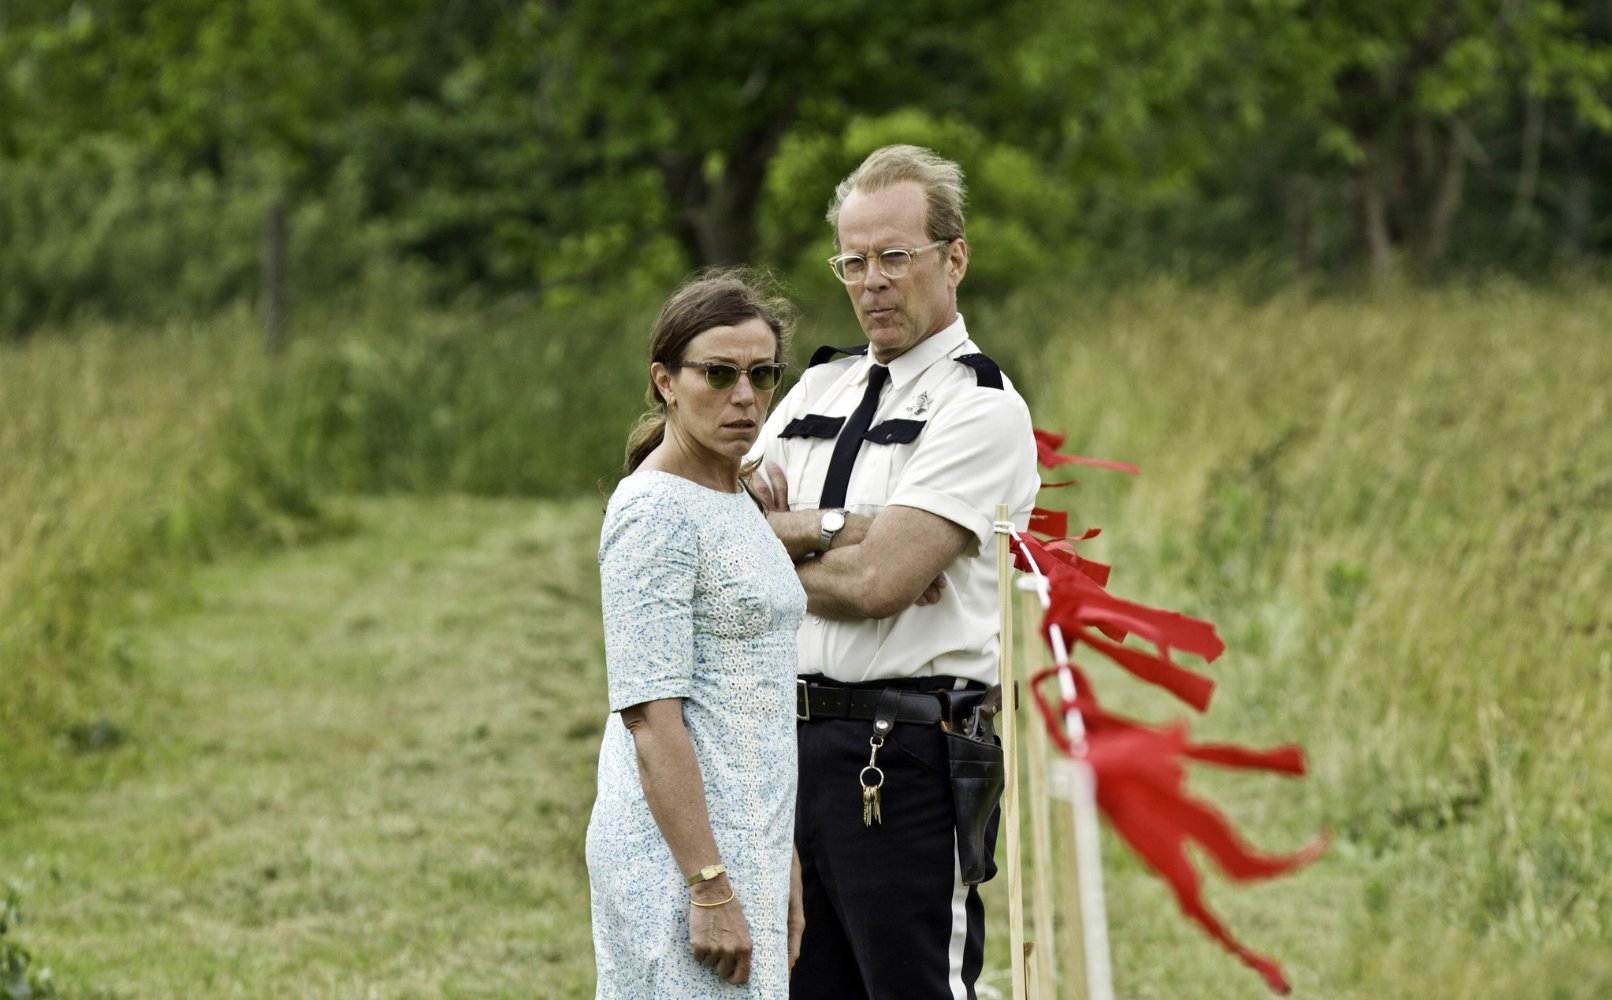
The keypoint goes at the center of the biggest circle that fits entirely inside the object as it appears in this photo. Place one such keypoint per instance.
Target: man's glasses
(721, 376)
(894, 262)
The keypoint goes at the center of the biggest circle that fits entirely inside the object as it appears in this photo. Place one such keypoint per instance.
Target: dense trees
(551, 145)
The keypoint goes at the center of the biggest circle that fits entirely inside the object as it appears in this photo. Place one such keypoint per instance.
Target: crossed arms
(876, 567)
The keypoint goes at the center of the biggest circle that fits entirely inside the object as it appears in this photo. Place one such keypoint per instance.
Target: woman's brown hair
(713, 297)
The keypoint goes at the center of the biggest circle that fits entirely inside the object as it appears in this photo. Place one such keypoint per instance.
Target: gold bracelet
(719, 902)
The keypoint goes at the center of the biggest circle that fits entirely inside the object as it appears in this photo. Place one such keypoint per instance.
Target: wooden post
(1045, 971)
(1010, 755)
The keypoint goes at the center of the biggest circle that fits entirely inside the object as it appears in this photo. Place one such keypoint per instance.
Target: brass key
(871, 799)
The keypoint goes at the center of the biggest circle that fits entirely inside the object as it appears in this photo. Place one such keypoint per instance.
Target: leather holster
(974, 757)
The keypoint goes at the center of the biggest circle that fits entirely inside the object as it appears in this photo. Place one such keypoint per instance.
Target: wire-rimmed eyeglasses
(722, 376)
(894, 262)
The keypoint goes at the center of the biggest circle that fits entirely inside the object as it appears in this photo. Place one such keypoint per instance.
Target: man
(885, 470)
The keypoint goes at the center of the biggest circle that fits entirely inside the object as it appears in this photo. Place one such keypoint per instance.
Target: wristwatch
(833, 521)
(706, 874)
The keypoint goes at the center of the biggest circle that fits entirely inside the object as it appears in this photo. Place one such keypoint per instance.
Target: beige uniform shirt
(952, 447)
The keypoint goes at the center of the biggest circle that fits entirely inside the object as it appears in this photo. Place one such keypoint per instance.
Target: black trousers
(887, 917)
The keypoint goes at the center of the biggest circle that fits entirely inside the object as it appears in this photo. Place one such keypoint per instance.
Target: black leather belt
(815, 701)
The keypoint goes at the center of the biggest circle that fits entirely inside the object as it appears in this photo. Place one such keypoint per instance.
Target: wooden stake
(1010, 753)
(1041, 873)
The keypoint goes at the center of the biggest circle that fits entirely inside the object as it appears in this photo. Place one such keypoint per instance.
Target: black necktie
(850, 441)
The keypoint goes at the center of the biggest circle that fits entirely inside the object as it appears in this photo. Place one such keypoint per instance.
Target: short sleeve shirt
(940, 441)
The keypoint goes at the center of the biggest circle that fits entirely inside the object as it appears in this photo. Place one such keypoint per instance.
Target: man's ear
(956, 262)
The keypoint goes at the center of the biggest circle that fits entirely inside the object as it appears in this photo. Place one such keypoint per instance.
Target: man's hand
(797, 909)
(931, 594)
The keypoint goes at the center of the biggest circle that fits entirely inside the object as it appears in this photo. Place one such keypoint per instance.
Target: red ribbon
(1139, 771)
(1140, 788)
(1046, 450)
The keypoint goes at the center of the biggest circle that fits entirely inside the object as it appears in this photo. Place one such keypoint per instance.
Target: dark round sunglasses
(720, 375)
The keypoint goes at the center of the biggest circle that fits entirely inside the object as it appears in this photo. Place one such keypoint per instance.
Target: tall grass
(128, 454)
(1400, 511)
(109, 478)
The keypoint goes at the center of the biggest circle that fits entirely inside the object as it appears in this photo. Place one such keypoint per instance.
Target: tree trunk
(1533, 142)
(1577, 207)
(274, 276)
(1302, 223)
(1374, 218)
(716, 222)
(1446, 204)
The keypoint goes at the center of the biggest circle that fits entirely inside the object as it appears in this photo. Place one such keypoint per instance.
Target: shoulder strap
(827, 352)
(986, 371)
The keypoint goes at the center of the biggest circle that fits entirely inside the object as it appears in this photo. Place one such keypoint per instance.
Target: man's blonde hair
(941, 179)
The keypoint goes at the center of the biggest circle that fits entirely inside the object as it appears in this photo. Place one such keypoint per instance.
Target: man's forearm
(902, 553)
(801, 531)
(841, 583)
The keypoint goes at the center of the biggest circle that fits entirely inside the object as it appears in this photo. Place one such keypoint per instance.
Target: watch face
(834, 520)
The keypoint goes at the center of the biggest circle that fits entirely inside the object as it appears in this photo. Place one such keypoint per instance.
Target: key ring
(863, 777)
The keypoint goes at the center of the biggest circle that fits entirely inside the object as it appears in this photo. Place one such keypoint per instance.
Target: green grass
(366, 776)
(362, 767)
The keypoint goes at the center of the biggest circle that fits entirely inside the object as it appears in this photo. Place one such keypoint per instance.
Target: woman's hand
(719, 935)
(797, 909)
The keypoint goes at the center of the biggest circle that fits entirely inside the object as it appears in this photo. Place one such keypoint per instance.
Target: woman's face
(723, 421)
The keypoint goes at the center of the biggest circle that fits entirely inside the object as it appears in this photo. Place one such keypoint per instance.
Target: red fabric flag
(1140, 789)
(1054, 523)
(1194, 689)
(1046, 451)
(1139, 771)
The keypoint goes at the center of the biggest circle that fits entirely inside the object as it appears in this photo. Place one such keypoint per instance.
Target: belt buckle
(804, 695)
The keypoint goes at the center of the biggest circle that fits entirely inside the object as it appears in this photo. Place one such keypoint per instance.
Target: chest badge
(918, 405)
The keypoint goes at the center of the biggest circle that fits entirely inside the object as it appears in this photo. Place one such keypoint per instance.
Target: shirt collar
(921, 355)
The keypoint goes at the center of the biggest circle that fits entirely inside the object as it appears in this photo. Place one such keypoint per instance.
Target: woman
(690, 847)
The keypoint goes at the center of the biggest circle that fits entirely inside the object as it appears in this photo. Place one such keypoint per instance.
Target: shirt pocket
(886, 448)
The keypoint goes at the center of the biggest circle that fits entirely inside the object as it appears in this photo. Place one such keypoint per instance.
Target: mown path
(367, 777)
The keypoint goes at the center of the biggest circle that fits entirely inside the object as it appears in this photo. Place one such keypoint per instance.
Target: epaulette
(827, 352)
(986, 371)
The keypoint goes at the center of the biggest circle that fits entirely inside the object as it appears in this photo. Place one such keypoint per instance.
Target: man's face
(897, 313)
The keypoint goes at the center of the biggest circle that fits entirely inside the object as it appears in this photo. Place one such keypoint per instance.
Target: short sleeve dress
(701, 603)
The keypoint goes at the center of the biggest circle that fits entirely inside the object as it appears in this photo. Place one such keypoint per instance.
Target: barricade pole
(1098, 981)
(1010, 752)
(1045, 973)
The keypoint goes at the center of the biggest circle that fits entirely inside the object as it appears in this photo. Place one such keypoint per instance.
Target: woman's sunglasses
(721, 376)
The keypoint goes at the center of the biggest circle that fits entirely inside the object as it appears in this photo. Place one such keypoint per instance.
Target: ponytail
(646, 436)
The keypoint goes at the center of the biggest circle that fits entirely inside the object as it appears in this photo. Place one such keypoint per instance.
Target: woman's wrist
(711, 891)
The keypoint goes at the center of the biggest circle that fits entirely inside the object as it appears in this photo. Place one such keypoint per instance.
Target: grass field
(360, 766)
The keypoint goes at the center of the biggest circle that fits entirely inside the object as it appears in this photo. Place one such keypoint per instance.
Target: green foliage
(565, 149)
(102, 228)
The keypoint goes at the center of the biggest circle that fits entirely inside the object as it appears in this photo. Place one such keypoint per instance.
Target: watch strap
(826, 538)
(706, 874)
